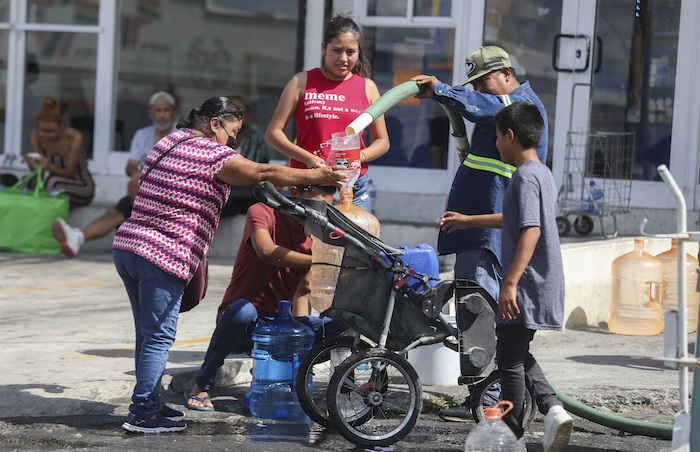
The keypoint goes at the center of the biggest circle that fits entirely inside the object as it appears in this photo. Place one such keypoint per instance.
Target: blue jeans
(482, 267)
(155, 302)
(234, 327)
(360, 196)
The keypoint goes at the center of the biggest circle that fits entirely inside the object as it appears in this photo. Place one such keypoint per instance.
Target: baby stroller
(363, 384)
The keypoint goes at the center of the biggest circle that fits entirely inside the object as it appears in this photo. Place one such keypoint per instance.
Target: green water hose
(411, 88)
(663, 431)
(396, 95)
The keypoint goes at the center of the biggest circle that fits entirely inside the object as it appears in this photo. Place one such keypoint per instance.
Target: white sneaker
(70, 239)
(557, 429)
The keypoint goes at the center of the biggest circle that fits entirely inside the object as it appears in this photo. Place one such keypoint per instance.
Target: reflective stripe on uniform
(489, 164)
(506, 99)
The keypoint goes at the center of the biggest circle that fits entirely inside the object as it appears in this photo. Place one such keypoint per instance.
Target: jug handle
(507, 403)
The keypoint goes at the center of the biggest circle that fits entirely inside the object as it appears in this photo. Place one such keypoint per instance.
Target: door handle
(599, 54)
(555, 53)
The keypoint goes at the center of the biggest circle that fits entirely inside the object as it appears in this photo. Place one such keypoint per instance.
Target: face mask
(231, 142)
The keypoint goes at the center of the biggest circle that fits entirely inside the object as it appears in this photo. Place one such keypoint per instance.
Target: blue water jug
(278, 348)
(422, 259)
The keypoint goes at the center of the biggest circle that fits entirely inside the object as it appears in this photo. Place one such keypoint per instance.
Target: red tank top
(327, 106)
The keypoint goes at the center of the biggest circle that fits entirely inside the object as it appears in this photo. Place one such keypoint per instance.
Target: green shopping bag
(26, 217)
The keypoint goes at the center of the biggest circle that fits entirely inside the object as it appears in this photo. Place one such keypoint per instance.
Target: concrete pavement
(67, 336)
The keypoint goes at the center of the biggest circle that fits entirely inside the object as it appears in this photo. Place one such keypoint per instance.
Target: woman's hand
(331, 175)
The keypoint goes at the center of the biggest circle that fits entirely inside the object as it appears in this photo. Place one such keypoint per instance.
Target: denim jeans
(360, 196)
(482, 267)
(155, 302)
(234, 327)
(518, 368)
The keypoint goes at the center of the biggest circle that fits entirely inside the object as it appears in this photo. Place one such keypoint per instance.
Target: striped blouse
(178, 205)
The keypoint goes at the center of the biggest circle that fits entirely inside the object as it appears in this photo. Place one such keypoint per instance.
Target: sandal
(199, 399)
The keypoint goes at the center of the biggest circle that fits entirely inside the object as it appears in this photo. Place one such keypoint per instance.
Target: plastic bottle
(323, 278)
(492, 434)
(635, 307)
(372, 196)
(669, 297)
(596, 195)
(278, 348)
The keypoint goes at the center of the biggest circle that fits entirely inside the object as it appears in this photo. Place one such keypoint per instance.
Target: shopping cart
(606, 160)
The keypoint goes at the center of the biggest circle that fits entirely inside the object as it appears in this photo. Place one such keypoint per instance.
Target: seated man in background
(161, 110)
(272, 264)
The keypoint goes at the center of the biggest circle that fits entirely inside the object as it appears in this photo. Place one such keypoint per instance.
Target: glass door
(616, 62)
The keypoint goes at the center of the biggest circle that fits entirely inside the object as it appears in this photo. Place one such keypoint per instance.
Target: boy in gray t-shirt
(532, 291)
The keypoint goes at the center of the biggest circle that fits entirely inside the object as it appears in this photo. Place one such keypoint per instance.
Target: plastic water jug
(326, 258)
(669, 297)
(278, 348)
(346, 149)
(492, 434)
(635, 308)
(422, 259)
(324, 272)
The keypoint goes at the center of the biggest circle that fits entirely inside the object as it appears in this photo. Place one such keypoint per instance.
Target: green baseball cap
(485, 60)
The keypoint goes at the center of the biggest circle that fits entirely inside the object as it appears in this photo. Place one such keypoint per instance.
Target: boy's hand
(507, 304)
(452, 221)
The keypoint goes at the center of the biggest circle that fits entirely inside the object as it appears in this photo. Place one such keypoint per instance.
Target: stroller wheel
(487, 393)
(315, 372)
(374, 398)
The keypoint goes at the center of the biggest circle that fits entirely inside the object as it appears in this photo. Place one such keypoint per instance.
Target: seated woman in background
(58, 149)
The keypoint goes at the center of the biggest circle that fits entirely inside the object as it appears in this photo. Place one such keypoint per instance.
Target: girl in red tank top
(326, 99)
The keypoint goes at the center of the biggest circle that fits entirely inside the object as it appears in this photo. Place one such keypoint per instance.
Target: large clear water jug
(492, 434)
(327, 258)
(278, 348)
(635, 307)
(669, 297)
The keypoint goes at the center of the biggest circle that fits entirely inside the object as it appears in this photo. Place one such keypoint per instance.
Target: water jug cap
(285, 308)
(591, 183)
(495, 413)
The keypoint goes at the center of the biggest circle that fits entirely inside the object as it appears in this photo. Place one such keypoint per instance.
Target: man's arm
(507, 303)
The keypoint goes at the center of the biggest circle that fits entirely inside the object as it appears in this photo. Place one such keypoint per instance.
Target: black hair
(214, 107)
(342, 24)
(525, 120)
(327, 189)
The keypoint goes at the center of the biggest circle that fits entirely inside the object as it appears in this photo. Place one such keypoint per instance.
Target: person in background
(325, 100)
(161, 110)
(251, 145)
(183, 188)
(481, 180)
(58, 150)
(532, 294)
(272, 264)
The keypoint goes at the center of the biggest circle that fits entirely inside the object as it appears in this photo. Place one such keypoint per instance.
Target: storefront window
(387, 8)
(66, 12)
(61, 64)
(4, 10)
(432, 8)
(526, 30)
(634, 89)
(419, 131)
(196, 50)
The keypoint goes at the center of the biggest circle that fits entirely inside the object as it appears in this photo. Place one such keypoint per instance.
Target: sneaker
(557, 429)
(160, 424)
(70, 239)
(171, 413)
(458, 413)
